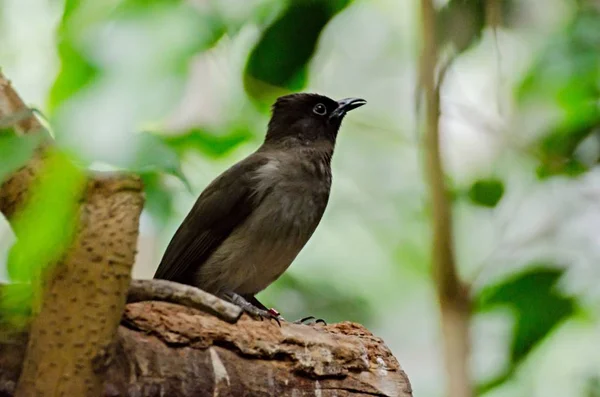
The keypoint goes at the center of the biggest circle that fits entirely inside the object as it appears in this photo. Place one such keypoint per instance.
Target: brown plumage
(251, 222)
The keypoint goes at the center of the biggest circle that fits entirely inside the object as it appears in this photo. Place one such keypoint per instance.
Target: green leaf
(207, 27)
(16, 150)
(557, 165)
(208, 143)
(153, 154)
(76, 72)
(537, 305)
(566, 77)
(78, 39)
(279, 61)
(486, 192)
(15, 306)
(46, 225)
(460, 23)
(593, 386)
(159, 202)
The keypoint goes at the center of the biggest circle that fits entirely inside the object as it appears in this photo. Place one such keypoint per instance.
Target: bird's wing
(221, 207)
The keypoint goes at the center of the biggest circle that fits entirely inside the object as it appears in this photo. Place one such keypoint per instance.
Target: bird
(249, 224)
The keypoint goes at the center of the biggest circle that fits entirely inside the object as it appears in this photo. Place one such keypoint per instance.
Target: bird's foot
(310, 320)
(253, 311)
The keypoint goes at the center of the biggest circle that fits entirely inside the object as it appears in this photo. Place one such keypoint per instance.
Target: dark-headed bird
(251, 222)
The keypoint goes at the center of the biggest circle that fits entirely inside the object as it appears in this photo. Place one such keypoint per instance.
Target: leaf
(154, 155)
(79, 39)
(460, 23)
(566, 76)
(15, 306)
(279, 60)
(593, 386)
(16, 150)
(77, 71)
(159, 202)
(486, 192)
(538, 307)
(207, 27)
(46, 225)
(208, 143)
(557, 165)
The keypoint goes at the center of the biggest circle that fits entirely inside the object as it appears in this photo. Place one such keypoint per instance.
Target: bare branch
(452, 295)
(169, 291)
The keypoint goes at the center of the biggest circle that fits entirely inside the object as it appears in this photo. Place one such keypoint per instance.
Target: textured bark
(84, 294)
(13, 190)
(164, 349)
(72, 336)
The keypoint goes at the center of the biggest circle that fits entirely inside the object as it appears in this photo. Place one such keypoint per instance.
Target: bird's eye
(320, 109)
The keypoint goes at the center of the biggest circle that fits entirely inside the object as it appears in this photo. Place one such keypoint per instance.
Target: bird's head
(308, 117)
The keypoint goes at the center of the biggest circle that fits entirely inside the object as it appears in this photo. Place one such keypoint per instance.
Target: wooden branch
(164, 349)
(169, 291)
(14, 189)
(493, 13)
(11, 105)
(83, 296)
(453, 297)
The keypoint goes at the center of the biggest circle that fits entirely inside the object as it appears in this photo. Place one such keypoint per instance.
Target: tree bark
(163, 349)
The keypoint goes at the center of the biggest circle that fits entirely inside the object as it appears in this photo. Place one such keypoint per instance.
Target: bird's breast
(290, 206)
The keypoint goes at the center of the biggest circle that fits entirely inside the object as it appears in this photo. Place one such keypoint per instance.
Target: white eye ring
(320, 109)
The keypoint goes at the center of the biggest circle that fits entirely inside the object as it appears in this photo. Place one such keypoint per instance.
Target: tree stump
(164, 349)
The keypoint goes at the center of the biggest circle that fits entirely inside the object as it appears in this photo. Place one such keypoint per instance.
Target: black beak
(345, 105)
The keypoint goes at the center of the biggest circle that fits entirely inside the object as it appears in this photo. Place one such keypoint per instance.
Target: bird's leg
(185, 295)
(251, 309)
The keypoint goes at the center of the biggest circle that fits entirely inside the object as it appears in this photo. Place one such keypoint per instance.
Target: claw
(306, 320)
(260, 314)
(252, 310)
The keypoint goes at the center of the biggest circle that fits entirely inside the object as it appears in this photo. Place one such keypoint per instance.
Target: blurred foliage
(207, 143)
(82, 19)
(567, 76)
(159, 200)
(538, 307)
(460, 22)
(15, 307)
(278, 62)
(16, 150)
(320, 298)
(486, 193)
(593, 386)
(43, 236)
(154, 155)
